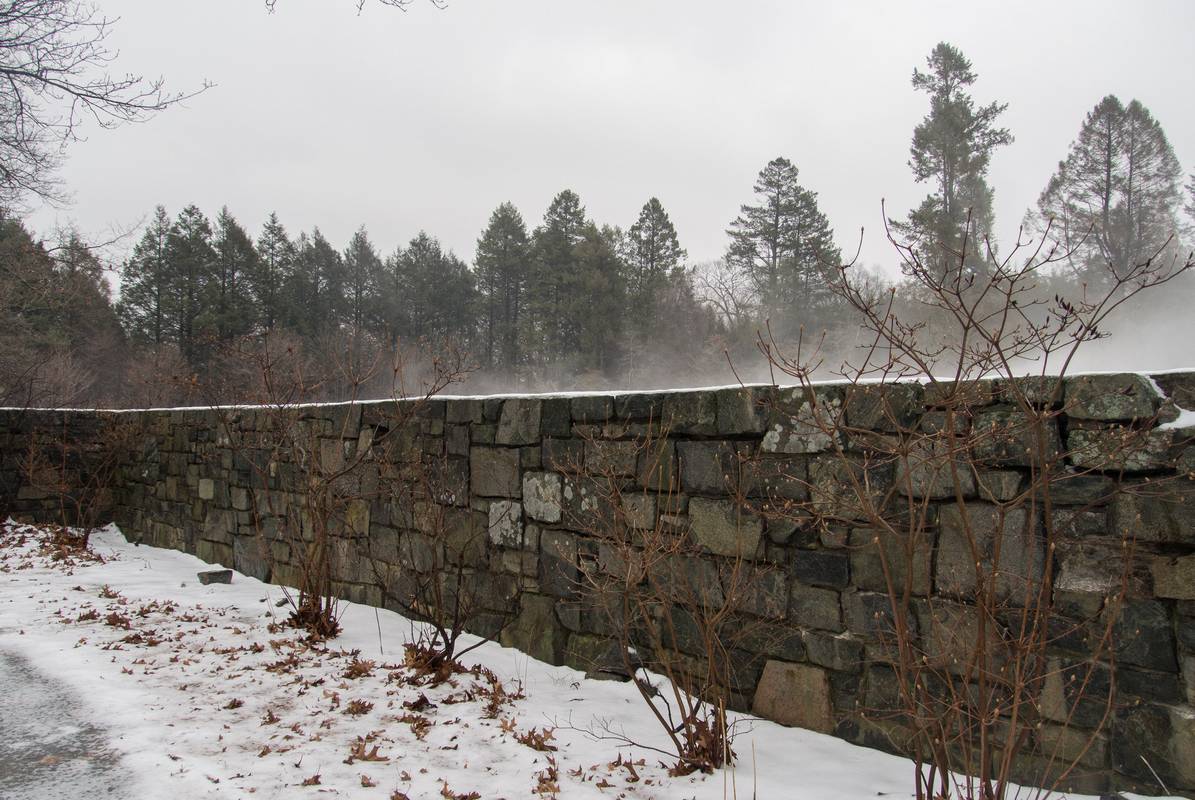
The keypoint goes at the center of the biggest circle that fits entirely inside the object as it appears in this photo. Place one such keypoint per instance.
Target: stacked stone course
(528, 470)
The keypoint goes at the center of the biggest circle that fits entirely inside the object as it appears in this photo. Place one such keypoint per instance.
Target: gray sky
(428, 119)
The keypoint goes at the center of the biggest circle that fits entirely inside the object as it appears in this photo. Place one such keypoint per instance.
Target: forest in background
(207, 310)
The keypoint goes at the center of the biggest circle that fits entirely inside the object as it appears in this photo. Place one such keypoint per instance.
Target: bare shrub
(315, 469)
(681, 620)
(984, 484)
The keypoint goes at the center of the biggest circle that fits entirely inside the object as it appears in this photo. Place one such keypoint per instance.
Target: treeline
(569, 296)
(569, 301)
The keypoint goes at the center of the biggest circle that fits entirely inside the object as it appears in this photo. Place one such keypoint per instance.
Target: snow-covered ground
(203, 692)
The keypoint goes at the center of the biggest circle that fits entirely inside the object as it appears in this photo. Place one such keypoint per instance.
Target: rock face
(800, 515)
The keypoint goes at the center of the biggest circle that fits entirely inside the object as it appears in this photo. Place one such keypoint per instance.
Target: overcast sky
(429, 119)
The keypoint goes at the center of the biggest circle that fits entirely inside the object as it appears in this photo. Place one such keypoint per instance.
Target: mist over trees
(1115, 200)
(558, 299)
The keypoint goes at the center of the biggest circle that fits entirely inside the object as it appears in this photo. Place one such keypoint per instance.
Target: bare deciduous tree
(54, 61)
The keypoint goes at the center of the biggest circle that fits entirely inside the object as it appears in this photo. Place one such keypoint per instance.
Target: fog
(426, 119)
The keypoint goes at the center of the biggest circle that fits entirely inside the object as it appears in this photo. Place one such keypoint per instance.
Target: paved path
(48, 749)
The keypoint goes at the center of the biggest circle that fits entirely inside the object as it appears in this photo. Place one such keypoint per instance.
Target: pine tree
(952, 148)
(275, 259)
(313, 289)
(1190, 206)
(596, 304)
(437, 292)
(145, 306)
(653, 255)
(190, 260)
(1115, 199)
(784, 245)
(503, 253)
(556, 278)
(230, 304)
(362, 270)
(59, 335)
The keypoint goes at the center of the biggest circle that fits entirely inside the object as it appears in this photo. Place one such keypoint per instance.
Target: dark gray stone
(630, 407)
(694, 581)
(934, 469)
(884, 407)
(1179, 387)
(813, 607)
(494, 472)
(563, 455)
(1144, 636)
(520, 422)
(1035, 390)
(1081, 489)
(1150, 686)
(1003, 437)
(657, 467)
(559, 573)
(591, 409)
(841, 491)
(1143, 742)
(873, 549)
(692, 413)
(211, 576)
(869, 615)
(251, 556)
(708, 467)
(766, 593)
(837, 652)
(740, 411)
(599, 657)
(463, 411)
(555, 417)
(1079, 524)
(491, 409)
(1156, 511)
(779, 478)
(1021, 549)
(828, 568)
(615, 459)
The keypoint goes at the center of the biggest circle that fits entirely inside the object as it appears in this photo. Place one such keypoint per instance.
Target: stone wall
(743, 475)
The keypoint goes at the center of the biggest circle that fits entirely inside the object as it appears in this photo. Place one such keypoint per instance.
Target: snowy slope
(204, 694)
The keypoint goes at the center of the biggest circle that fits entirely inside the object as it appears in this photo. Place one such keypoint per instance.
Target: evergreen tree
(190, 260)
(952, 149)
(362, 270)
(1190, 206)
(58, 330)
(503, 253)
(230, 304)
(314, 286)
(1115, 199)
(556, 279)
(275, 259)
(653, 255)
(437, 292)
(145, 308)
(596, 304)
(784, 245)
